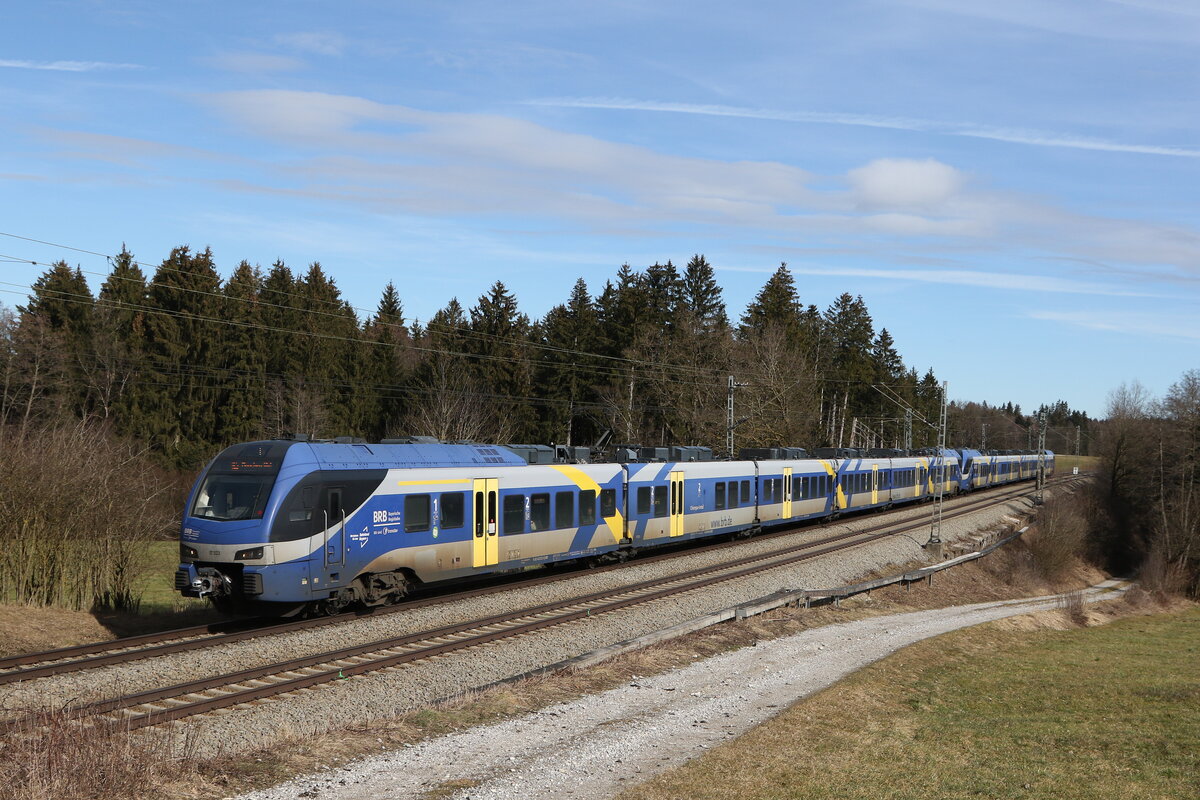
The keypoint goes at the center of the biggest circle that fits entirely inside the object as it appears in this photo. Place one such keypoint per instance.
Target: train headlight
(187, 553)
(253, 554)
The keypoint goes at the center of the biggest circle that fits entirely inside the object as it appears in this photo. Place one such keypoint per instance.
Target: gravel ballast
(383, 694)
(596, 746)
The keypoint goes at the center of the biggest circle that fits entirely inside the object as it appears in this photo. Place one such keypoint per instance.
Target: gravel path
(383, 694)
(596, 746)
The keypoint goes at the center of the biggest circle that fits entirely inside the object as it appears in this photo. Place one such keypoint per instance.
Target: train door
(675, 508)
(335, 523)
(787, 493)
(874, 484)
(485, 550)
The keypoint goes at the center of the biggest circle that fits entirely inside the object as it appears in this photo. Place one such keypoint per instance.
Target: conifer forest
(184, 362)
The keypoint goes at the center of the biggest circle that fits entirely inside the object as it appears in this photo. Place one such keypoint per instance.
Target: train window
(745, 492)
(564, 510)
(766, 491)
(643, 500)
(846, 487)
(587, 507)
(777, 489)
(660, 501)
(514, 513)
(450, 510)
(608, 502)
(416, 513)
(720, 495)
(539, 512)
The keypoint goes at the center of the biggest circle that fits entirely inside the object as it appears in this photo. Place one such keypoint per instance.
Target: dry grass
(50, 757)
(25, 630)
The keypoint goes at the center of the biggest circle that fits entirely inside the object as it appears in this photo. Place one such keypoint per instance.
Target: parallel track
(30, 666)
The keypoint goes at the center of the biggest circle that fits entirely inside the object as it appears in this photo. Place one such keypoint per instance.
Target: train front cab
(226, 548)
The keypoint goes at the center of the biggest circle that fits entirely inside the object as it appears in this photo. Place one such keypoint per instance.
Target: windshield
(239, 482)
(228, 497)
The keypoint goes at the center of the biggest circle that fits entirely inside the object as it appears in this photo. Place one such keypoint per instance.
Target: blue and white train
(288, 526)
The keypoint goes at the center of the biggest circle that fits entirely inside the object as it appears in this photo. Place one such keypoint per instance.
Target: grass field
(1102, 712)
(156, 585)
(1064, 464)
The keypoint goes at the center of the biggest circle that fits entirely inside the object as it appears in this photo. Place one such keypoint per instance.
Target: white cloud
(1127, 20)
(494, 163)
(905, 183)
(322, 44)
(1007, 281)
(1127, 323)
(65, 66)
(254, 62)
(967, 129)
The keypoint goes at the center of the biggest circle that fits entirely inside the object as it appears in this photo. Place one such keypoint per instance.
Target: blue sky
(1012, 187)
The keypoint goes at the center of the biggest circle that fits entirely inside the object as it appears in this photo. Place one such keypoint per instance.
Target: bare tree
(448, 405)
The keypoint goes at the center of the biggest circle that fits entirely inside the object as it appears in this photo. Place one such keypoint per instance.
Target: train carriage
(792, 490)
(907, 479)
(677, 501)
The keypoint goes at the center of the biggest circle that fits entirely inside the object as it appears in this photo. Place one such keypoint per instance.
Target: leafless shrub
(62, 753)
(1058, 541)
(77, 509)
(1072, 605)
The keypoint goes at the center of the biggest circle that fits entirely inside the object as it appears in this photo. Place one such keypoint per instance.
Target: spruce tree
(566, 372)
(179, 398)
(119, 342)
(326, 400)
(702, 295)
(776, 304)
(499, 346)
(242, 358)
(385, 341)
(663, 296)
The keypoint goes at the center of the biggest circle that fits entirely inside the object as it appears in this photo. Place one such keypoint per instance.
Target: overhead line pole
(935, 524)
(1038, 499)
(729, 423)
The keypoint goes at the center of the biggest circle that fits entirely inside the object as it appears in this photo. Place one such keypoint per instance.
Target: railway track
(31, 666)
(158, 706)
